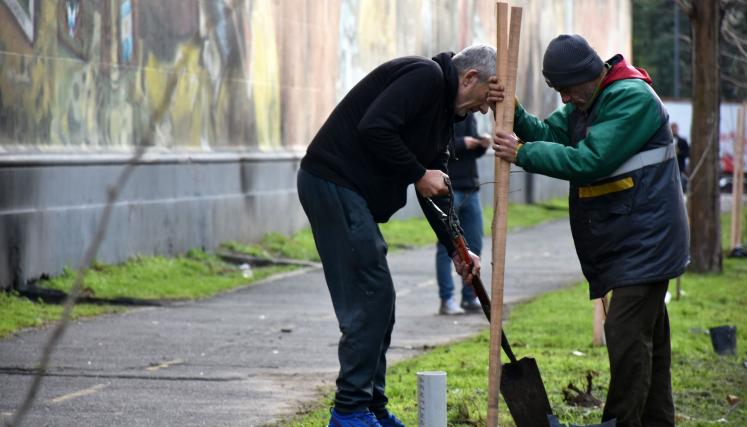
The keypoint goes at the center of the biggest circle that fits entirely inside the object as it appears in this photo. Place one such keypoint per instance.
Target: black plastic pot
(724, 339)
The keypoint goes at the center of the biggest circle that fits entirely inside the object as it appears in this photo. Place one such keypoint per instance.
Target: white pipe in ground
(432, 399)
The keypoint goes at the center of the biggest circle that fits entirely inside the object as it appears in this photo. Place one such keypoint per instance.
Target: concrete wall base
(51, 206)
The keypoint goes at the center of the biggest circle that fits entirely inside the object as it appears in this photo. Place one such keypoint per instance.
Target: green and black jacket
(626, 206)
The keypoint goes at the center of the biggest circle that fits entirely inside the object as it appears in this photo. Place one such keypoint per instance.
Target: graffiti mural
(126, 29)
(264, 74)
(75, 26)
(256, 75)
(23, 12)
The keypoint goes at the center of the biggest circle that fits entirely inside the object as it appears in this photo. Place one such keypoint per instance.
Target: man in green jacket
(612, 142)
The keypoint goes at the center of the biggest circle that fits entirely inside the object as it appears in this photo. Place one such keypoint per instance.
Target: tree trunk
(703, 194)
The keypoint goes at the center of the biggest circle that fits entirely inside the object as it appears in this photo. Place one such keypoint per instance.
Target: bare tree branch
(734, 39)
(696, 169)
(732, 36)
(686, 6)
(732, 18)
(734, 81)
(733, 57)
(732, 4)
(686, 38)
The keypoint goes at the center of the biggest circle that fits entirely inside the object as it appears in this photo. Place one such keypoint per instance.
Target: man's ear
(470, 77)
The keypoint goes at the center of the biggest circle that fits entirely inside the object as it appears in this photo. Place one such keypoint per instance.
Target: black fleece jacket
(392, 126)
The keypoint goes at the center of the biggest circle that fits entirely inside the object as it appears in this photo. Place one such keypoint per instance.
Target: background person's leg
(470, 216)
(449, 304)
(443, 273)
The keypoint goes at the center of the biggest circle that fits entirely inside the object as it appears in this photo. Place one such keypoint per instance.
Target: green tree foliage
(654, 44)
(654, 47)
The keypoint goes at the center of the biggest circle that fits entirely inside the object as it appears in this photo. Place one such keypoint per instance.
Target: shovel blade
(524, 393)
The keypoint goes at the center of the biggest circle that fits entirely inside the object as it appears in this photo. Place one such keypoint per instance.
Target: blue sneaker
(355, 419)
(391, 421)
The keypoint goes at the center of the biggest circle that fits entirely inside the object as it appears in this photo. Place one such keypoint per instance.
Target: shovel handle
(481, 294)
(485, 303)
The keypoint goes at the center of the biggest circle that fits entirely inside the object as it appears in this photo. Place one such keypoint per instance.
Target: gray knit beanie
(569, 60)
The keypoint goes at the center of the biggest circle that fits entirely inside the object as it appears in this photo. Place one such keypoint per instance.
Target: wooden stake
(738, 181)
(507, 46)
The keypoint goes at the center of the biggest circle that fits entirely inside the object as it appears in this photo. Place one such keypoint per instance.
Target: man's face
(472, 95)
(579, 95)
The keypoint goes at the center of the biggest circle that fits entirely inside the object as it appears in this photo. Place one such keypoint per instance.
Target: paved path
(248, 357)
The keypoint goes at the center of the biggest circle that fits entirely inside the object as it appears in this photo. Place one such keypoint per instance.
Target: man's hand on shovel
(468, 270)
(433, 183)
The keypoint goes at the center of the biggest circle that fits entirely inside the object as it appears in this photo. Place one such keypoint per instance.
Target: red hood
(621, 71)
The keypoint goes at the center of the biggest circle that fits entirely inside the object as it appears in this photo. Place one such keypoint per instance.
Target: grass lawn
(199, 275)
(18, 313)
(193, 276)
(556, 329)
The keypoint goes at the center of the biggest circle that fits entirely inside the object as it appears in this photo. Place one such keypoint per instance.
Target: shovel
(521, 382)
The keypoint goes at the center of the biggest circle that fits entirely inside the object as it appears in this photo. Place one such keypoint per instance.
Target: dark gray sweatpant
(637, 331)
(353, 254)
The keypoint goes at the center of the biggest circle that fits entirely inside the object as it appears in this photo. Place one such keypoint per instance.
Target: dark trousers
(637, 332)
(353, 254)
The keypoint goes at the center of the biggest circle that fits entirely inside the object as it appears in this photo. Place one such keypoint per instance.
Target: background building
(240, 88)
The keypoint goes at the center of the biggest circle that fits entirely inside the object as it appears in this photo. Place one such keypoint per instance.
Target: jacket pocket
(600, 223)
(610, 198)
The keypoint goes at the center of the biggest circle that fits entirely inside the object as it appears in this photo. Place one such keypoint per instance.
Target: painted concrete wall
(81, 80)
(259, 74)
